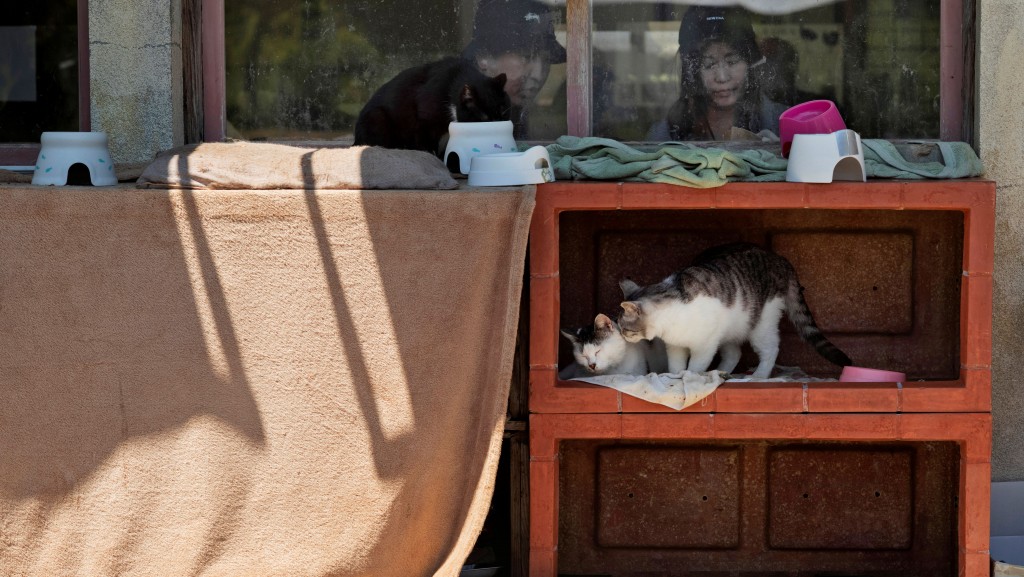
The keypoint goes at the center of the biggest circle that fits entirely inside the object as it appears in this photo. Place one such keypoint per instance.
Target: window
(303, 69)
(41, 73)
(878, 61)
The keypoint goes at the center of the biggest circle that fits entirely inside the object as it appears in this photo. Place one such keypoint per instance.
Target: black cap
(703, 24)
(518, 26)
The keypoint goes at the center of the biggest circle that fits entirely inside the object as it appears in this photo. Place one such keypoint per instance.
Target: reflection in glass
(38, 69)
(303, 69)
(727, 73)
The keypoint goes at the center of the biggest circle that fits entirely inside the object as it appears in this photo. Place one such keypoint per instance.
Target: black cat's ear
(500, 80)
(572, 338)
(467, 95)
(603, 324)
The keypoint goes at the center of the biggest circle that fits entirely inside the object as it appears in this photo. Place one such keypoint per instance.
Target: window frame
(26, 153)
(214, 71)
(956, 55)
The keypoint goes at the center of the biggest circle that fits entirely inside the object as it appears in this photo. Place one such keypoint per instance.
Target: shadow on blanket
(266, 166)
(254, 382)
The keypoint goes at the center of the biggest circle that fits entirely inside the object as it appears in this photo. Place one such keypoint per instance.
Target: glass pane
(38, 69)
(738, 69)
(303, 69)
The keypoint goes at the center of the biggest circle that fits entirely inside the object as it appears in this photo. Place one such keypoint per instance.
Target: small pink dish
(811, 117)
(863, 375)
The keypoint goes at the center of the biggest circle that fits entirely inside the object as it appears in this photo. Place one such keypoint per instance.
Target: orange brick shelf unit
(954, 410)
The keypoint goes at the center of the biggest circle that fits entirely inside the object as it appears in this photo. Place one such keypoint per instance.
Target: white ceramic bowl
(62, 150)
(467, 140)
(512, 168)
(826, 157)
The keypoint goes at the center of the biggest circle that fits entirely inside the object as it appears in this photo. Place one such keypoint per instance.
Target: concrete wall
(135, 75)
(1001, 146)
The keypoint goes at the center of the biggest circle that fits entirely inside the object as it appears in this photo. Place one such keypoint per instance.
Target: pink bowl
(812, 117)
(863, 375)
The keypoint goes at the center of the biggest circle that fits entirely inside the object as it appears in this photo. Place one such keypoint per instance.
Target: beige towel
(14, 177)
(240, 383)
(265, 166)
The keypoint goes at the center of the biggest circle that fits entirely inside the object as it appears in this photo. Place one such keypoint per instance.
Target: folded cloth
(882, 160)
(677, 391)
(265, 166)
(781, 375)
(594, 158)
(9, 176)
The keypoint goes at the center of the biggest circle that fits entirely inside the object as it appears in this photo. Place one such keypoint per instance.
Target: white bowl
(467, 140)
(826, 157)
(512, 168)
(62, 150)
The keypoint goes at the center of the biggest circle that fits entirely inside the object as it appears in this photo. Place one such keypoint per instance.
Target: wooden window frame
(956, 63)
(25, 153)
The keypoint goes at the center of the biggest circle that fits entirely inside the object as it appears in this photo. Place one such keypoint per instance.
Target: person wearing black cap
(515, 38)
(718, 92)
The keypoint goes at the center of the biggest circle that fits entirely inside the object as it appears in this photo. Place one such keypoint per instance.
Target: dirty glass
(38, 69)
(303, 69)
(878, 60)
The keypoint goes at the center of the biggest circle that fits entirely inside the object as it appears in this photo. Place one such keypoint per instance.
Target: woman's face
(525, 75)
(724, 74)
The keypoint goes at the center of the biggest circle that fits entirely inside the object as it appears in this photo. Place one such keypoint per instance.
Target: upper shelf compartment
(898, 275)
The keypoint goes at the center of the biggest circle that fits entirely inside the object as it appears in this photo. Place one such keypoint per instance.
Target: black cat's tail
(800, 316)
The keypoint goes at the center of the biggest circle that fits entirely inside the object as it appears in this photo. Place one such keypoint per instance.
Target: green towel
(882, 160)
(594, 158)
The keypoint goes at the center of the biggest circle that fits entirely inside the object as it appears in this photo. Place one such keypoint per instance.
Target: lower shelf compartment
(886, 494)
(631, 508)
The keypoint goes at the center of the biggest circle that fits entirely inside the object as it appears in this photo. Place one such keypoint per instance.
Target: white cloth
(679, 391)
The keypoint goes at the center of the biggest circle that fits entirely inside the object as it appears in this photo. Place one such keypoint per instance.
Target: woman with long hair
(719, 90)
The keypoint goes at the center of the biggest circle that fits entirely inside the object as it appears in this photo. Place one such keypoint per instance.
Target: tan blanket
(267, 166)
(252, 383)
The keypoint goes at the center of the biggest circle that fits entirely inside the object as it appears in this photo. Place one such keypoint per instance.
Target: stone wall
(1001, 147)
(135, 75)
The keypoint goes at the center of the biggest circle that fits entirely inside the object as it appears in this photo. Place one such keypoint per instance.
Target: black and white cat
(599, 349)
(730, 295)
(413, 109)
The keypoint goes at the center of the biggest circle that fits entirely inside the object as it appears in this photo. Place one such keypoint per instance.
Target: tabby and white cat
(599, 349)
(730, 295)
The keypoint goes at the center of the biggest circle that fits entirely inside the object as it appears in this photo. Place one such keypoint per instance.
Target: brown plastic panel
(826, 498)
(653, 497)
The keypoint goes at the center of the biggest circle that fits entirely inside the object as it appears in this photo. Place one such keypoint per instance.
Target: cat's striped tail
(800, 315)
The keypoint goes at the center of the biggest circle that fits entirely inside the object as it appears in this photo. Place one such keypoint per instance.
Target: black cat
(414, 108)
